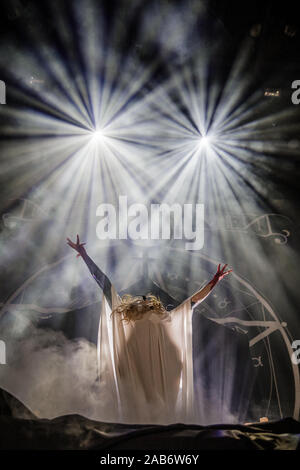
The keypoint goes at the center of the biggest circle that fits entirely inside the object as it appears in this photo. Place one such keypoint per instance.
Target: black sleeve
(99, 276)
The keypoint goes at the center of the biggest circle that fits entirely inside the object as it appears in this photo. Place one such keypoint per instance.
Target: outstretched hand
(76, 246)
(221, 273)
(204, 292)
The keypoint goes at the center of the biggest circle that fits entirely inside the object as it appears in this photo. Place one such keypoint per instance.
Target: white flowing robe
(146, 366)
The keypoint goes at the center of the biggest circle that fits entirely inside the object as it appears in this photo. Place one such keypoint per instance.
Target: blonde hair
(133, 308)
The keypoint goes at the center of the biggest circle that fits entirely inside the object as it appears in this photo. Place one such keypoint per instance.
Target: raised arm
(99, 276)
(205, 291)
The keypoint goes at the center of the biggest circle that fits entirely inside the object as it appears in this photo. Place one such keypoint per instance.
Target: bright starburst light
(99, 136)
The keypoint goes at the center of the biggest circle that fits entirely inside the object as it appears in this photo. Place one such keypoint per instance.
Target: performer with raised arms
(145, 352)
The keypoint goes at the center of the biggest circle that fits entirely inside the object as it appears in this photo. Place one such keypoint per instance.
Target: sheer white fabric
(146, 366)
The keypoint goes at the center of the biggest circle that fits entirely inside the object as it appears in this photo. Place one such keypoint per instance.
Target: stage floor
(79, 433)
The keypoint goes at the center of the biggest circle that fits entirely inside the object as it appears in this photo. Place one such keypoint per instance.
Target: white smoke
(54, 376)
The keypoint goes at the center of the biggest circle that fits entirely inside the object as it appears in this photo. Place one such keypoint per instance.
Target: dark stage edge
(74, 432)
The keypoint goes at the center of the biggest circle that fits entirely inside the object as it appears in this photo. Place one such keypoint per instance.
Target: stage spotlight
(98, 136)
(272, 92)
(204, 141)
